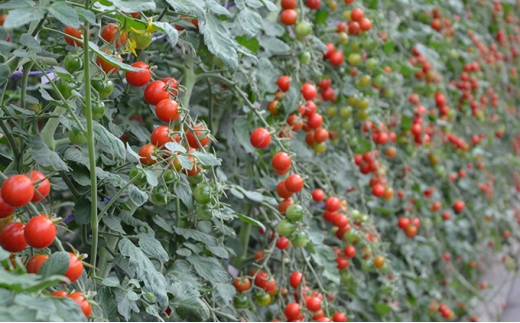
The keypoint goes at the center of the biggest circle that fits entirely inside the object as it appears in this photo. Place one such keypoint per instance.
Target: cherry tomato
(318, 195)
(314, 121)
(313, 304)
(43, 188)
(292, 310)
(332, 204)
(379, 261)
(295, 122)
(289, 4)
(294, 183)
(5, 209)
(167, 110)
(72, 63)
(295, 279)
(260, 138)
(75, 268)
(40, 232)
(60, 293)
(103, 86)
(171, 84)
(161, 136)
(106, 66)
(282, 243)
(205, 212)
(285, 228)
(284, 82)
(342, 262)
(299, 239)
(356, 14)
(339, 317)
(281, 161)
(262, 298)
(365, 24)
(202, 194)
(137, 172)
(350, 251)
(109, 33)
(201, 135)
(12, 237)
(146, 152)
(17, 190)
(288, 17)
(309, 91)
(139, 78)
(66, 86)
(82, 302)
(337, 58)
(98, 109)
(35, 262)
(77, 137)
(294, 212)
(313, 4)
(242, 284)
(241, 301)
(155, 92)
(76, 33)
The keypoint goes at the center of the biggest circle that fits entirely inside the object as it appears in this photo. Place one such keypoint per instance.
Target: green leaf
(217, 8)
(134, 5)
(86, 14)
(249, 220)
(382, 309)
(250, 21)
(209, 268)
(106, 138)
(152, 247)
(224, 294)
(4, 73)
(321, 17)
(17, 4)
(241, 127)
(32, 44)
(106, 300)
(27, 282)
(19, 17)
(65, 14)
(183, 191)
(210, 242)
(43, 155)
(113, 223)
(186, 298)
(185, 162)
(219, 42)
(82, 211)
(188, 7)
(111, 281)
(145, 270)
(252, 43)
(136, 195)
(173, 34)
(57, 264)
(206, 159)
(112, 60)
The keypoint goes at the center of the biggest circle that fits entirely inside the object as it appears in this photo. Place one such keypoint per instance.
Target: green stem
(245, 233)
(189, 81)
(60, 142)
(114, 198)
(9, 135)
(69, 184)
(94, 223)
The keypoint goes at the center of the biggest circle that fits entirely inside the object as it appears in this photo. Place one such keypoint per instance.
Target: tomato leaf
(43, 155)
(19, 17)
(249, 220)
(224, 294)
(134, 5)
(206, 159)
(65, 14)
(209, 268)
(219, 42)
(57, 264)
(250, 21)
(186, 298)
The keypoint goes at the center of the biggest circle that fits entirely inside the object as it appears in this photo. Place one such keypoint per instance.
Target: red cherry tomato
(309, 91)
(242, 284)
(203, 138)
(281, 161)
(282, 191)
(295, 279)
(339, 317)
(75, 268)
(282, 243)
(284, 82)
(35, 262)
(260, 138)
(318, 195)
(76, 33)
(167, 110)
(40, 232)
(107, 67)
(313, 304)
(294, 183)
(155, 92)
(292, 310)
(17, 190)
(288, 17)
(139, 78)
(43, 188)
(332, 204)
(146, 152)
(289, 4)
(12, 238)
(5, 209)
(350, 251)
(82, 302)
(161, 136)
(109, 33)
(60, 293)
(356, 14)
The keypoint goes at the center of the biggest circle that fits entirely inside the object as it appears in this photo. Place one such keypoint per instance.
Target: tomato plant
(374, 144)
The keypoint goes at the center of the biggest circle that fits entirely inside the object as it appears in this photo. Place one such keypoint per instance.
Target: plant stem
(245, 233)
(94, 223)
(189, 81)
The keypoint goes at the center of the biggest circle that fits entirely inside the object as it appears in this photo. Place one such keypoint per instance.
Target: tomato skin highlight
(17, 190)
(12, 237)
(260, 138)
(40, 232)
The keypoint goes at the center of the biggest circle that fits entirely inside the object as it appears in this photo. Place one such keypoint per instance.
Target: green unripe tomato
(439, 170)
(371, 64)
(98, 109)
(345, 111)
(104, 87)
(370, 44)
(262, 298)
(169, 176)
(346, 14)
(302, 29)
(205, 212)
(343, 38)
(365, 80)
(72, 63)
(331, 111)
(409, 149)
(77, 136)
(363, 103)
(380, 81)
(66, 86)
(363, 115)
(241, 300)
(364, 218)
(334, 141)
(299, 240)
(202, 194)
(319, 147)
(350, 236)
(142, 41)
(354, 59)
(355, 214)
(193, 180)
(335, 125)
(355, 46)
(294, 212)
(285, 228)
(141, 180)
(160, 195)
(304, 57)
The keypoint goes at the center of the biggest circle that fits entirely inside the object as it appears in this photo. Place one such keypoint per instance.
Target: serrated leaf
(43, 155)
(110, 281)
(209, 268)
(113, 223)
(136, 195)
(185, 162)
(183, 191)
(186, 298)
(188, 7)
(217, 8)
(241, 127)
(252, 221)
(134, 5)
(206, 159)
(152, 247)
(224, 294)
(108, 139)
(175, 147)
(19, 17)
(250, 21)
(65, 14)
(219, 42)
(57, 264)
(173, 34)
(86, 14)
(4, 73)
